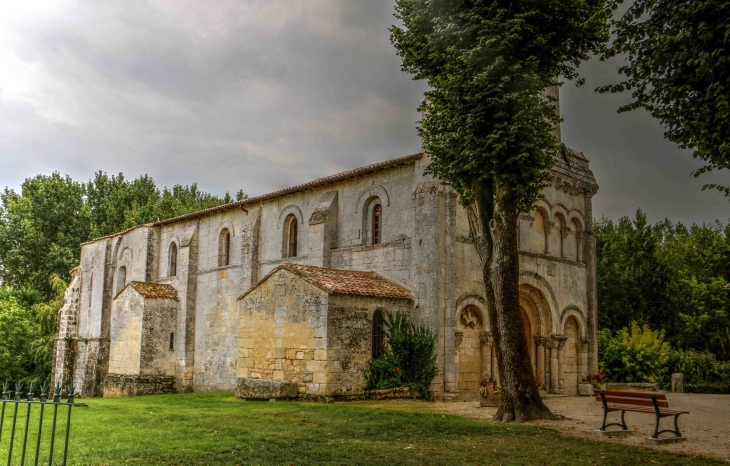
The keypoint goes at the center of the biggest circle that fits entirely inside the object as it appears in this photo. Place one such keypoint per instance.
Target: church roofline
(282, 192)
(298, 188)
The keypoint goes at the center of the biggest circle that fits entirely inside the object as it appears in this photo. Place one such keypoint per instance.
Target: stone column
(486, 354)
(592, 302)
(554, 367)
(549, 225)
(540, 342)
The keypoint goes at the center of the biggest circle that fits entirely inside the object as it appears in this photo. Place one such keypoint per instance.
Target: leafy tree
(41, 230)
(632, 280)
(488, 127)
(679, 69)
(668, 276)
(17, 329)
(42, 227)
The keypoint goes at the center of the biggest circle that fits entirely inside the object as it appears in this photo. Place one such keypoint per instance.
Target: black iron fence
(22, 417)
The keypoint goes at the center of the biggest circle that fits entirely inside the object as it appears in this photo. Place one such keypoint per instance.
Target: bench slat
(626, 394)
(629, 401)
(645, 410)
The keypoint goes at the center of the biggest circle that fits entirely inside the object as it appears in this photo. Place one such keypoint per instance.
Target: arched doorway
(535, 312)
(469, 348)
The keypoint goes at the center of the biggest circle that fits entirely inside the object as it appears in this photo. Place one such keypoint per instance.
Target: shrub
(703, 373)
(638, 355)
(408, 360)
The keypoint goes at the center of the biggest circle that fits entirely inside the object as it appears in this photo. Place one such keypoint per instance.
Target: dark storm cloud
(261, 95)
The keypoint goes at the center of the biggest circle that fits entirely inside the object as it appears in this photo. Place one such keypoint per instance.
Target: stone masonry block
(265, 389)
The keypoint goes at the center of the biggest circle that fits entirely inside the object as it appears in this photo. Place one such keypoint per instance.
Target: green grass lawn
(217, 429)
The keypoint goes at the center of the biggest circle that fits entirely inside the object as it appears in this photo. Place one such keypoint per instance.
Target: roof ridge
(398, 290)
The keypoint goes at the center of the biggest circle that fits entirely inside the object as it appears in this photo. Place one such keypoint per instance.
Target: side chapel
(295, 284)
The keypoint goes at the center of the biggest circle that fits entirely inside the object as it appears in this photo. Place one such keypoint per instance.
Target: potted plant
(490, 394)
(589, 382)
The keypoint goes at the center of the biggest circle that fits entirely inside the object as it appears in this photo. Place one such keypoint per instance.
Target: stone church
(294, 286)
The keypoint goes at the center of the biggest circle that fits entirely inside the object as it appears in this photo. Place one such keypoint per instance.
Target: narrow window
(172, 341)
(377, 223)
(378, 339)
(121, 279)
(291, 233)
(224, 248)
(173, 261)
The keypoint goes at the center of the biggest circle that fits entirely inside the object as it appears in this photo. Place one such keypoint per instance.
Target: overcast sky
(261, 95)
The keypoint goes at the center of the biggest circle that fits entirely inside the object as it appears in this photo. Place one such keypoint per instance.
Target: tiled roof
(153, 290)
(344, 282)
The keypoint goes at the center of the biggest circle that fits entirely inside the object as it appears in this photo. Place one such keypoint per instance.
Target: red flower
(398, 369)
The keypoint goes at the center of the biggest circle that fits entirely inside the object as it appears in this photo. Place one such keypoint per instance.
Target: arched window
(121, 278)
(224, 248)
(377, 223)
(291, 232)
(172, 266)
(378, 337)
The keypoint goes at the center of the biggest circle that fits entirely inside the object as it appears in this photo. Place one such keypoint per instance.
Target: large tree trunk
(496, 241)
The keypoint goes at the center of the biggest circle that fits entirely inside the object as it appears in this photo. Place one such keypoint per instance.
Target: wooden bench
(637, 402)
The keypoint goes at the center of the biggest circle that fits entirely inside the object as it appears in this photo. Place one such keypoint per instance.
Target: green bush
(408, 359)
(636, 355)
(718, 388)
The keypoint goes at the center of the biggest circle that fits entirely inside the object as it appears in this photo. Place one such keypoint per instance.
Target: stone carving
(458, 338)
(549, 225)
(318, 216)
(485, 339)
(471, 318)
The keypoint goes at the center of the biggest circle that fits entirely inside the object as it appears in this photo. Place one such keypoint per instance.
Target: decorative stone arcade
(557, 346)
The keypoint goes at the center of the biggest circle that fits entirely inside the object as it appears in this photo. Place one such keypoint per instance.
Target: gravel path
(707, 426)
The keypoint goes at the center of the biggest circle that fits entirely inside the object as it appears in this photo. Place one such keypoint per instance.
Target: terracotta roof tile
(344, 282)
(153, 290)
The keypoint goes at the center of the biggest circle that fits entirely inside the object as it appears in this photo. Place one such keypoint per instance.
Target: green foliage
(42, 227)
(678, 70)
(667, 276)
(702, 369)
(409, 359)
(17, 330)
(636, 355)
(488, 63)
(40, 231)
(27, 331)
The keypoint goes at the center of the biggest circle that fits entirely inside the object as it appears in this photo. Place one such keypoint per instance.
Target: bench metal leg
(676, 431)
(622, 424)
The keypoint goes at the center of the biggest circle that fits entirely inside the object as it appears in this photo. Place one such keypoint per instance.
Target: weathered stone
(265, 389)
(678, 382)
(585, 389)
(491, 400)
(117, 385)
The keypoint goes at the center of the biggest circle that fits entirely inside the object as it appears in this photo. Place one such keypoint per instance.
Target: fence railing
(22, 416)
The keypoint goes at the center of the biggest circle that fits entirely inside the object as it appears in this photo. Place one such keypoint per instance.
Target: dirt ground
(706, 427)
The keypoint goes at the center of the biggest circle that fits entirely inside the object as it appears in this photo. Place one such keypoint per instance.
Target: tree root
(520, 413)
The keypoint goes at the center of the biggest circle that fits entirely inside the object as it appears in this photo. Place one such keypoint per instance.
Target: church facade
(293, 286)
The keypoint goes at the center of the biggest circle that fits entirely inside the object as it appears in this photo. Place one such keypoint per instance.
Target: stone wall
(283, 333)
